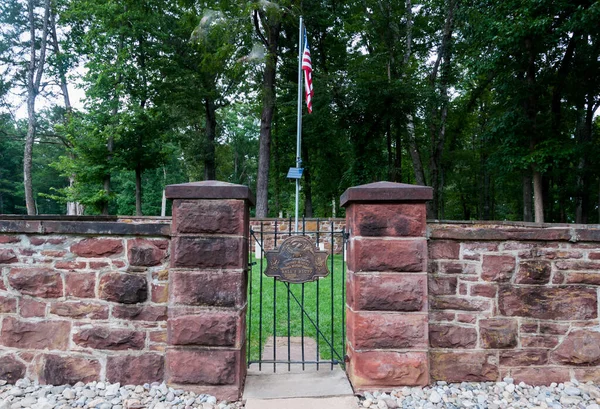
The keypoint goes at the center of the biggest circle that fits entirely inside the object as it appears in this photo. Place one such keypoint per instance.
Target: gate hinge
(346, 235)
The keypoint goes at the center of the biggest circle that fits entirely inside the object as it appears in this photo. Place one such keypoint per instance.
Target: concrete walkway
(324, 388)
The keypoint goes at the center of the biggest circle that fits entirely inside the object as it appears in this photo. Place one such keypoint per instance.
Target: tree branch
(257, 28)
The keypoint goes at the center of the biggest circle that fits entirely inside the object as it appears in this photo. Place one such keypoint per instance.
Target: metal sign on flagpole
(299, 127)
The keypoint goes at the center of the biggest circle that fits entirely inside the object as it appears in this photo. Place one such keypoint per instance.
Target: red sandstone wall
(76, 308)
(504, 299)
(514, 300)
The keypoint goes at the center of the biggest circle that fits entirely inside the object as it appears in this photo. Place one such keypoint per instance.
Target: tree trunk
(390, 154)
(538, 195)
(73, 208)
(268, 107)
(34, 78)
(210, 161)
(414, 152)
(415, 156)
(109, 148)
(531, 112)
(138, 190)
(27, 158)
(527, 198)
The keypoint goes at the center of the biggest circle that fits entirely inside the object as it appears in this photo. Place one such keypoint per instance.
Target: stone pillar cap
(209, 189)
(386, 192)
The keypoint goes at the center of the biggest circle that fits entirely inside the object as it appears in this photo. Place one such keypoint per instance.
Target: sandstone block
(498, 333)
(11, 369)
(441, 285)
(158, 336)
(60, 370)
(452, 336)
(463, 366)
(203, 367)
(8, 256)
(146, 253)
(220, 289)
(473, 251)
(35, 335)
(466, 318)
(140, 312)
(583, 278)
(388, 220)
(577, 265)
(210, 328)
(209, 252)
(31, 308)
(80, 310)
(540, 376)
(579, 348)
(388, 255)
(387, 292)
(209, 216)
(80, 285)
(457, 267)
(97, 247)
(373, 330)
(553, 328)
(8, 305)
(498, 268)
(160, 293)
(135, 369)
(37, 282)
(587, 374)
(484, 290)
(100, 337)
(459, 303)
(123, 288)
(555, 303)
(539, 341)
(534, 272)
(444, 249)
(529, 327)
(527, 357)
(387, 369)
(70, 265)
(4, 239)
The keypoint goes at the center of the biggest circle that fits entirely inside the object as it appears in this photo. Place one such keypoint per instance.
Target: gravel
(104, 395)
(487, 395)
(470, 395)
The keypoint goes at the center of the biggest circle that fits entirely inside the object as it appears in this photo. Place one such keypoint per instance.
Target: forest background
(492, 103)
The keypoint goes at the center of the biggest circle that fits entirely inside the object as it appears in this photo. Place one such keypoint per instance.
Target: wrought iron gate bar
(337, 356)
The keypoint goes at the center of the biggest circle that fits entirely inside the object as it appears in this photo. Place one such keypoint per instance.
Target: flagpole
(299, 127)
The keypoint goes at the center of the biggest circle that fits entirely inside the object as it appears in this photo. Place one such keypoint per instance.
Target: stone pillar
(207, 287)
(387, 309)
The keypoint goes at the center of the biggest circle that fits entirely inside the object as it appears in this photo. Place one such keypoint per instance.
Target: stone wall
(515, 300)
(135, 300)
(83, 301)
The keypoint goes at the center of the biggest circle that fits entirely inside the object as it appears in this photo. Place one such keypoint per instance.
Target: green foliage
(174, 89)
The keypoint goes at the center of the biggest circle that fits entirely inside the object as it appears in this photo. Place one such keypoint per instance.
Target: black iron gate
(295, 325)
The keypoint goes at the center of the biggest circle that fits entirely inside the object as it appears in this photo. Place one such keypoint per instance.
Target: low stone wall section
(514, 300)
(83, 301)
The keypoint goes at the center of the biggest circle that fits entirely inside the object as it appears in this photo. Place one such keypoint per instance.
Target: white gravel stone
(435, 397)
(104, 395)
(490, 395)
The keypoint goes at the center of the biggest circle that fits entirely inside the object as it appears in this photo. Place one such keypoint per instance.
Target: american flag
(307, 68)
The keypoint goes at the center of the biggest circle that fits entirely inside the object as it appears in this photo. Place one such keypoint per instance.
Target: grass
(279, 310)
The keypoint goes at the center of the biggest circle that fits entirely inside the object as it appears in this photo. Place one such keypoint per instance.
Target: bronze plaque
(296, 261)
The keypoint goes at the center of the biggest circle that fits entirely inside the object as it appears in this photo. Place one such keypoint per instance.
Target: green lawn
(258, 333)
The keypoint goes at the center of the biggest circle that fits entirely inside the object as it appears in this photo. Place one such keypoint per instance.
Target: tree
(268, 18)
